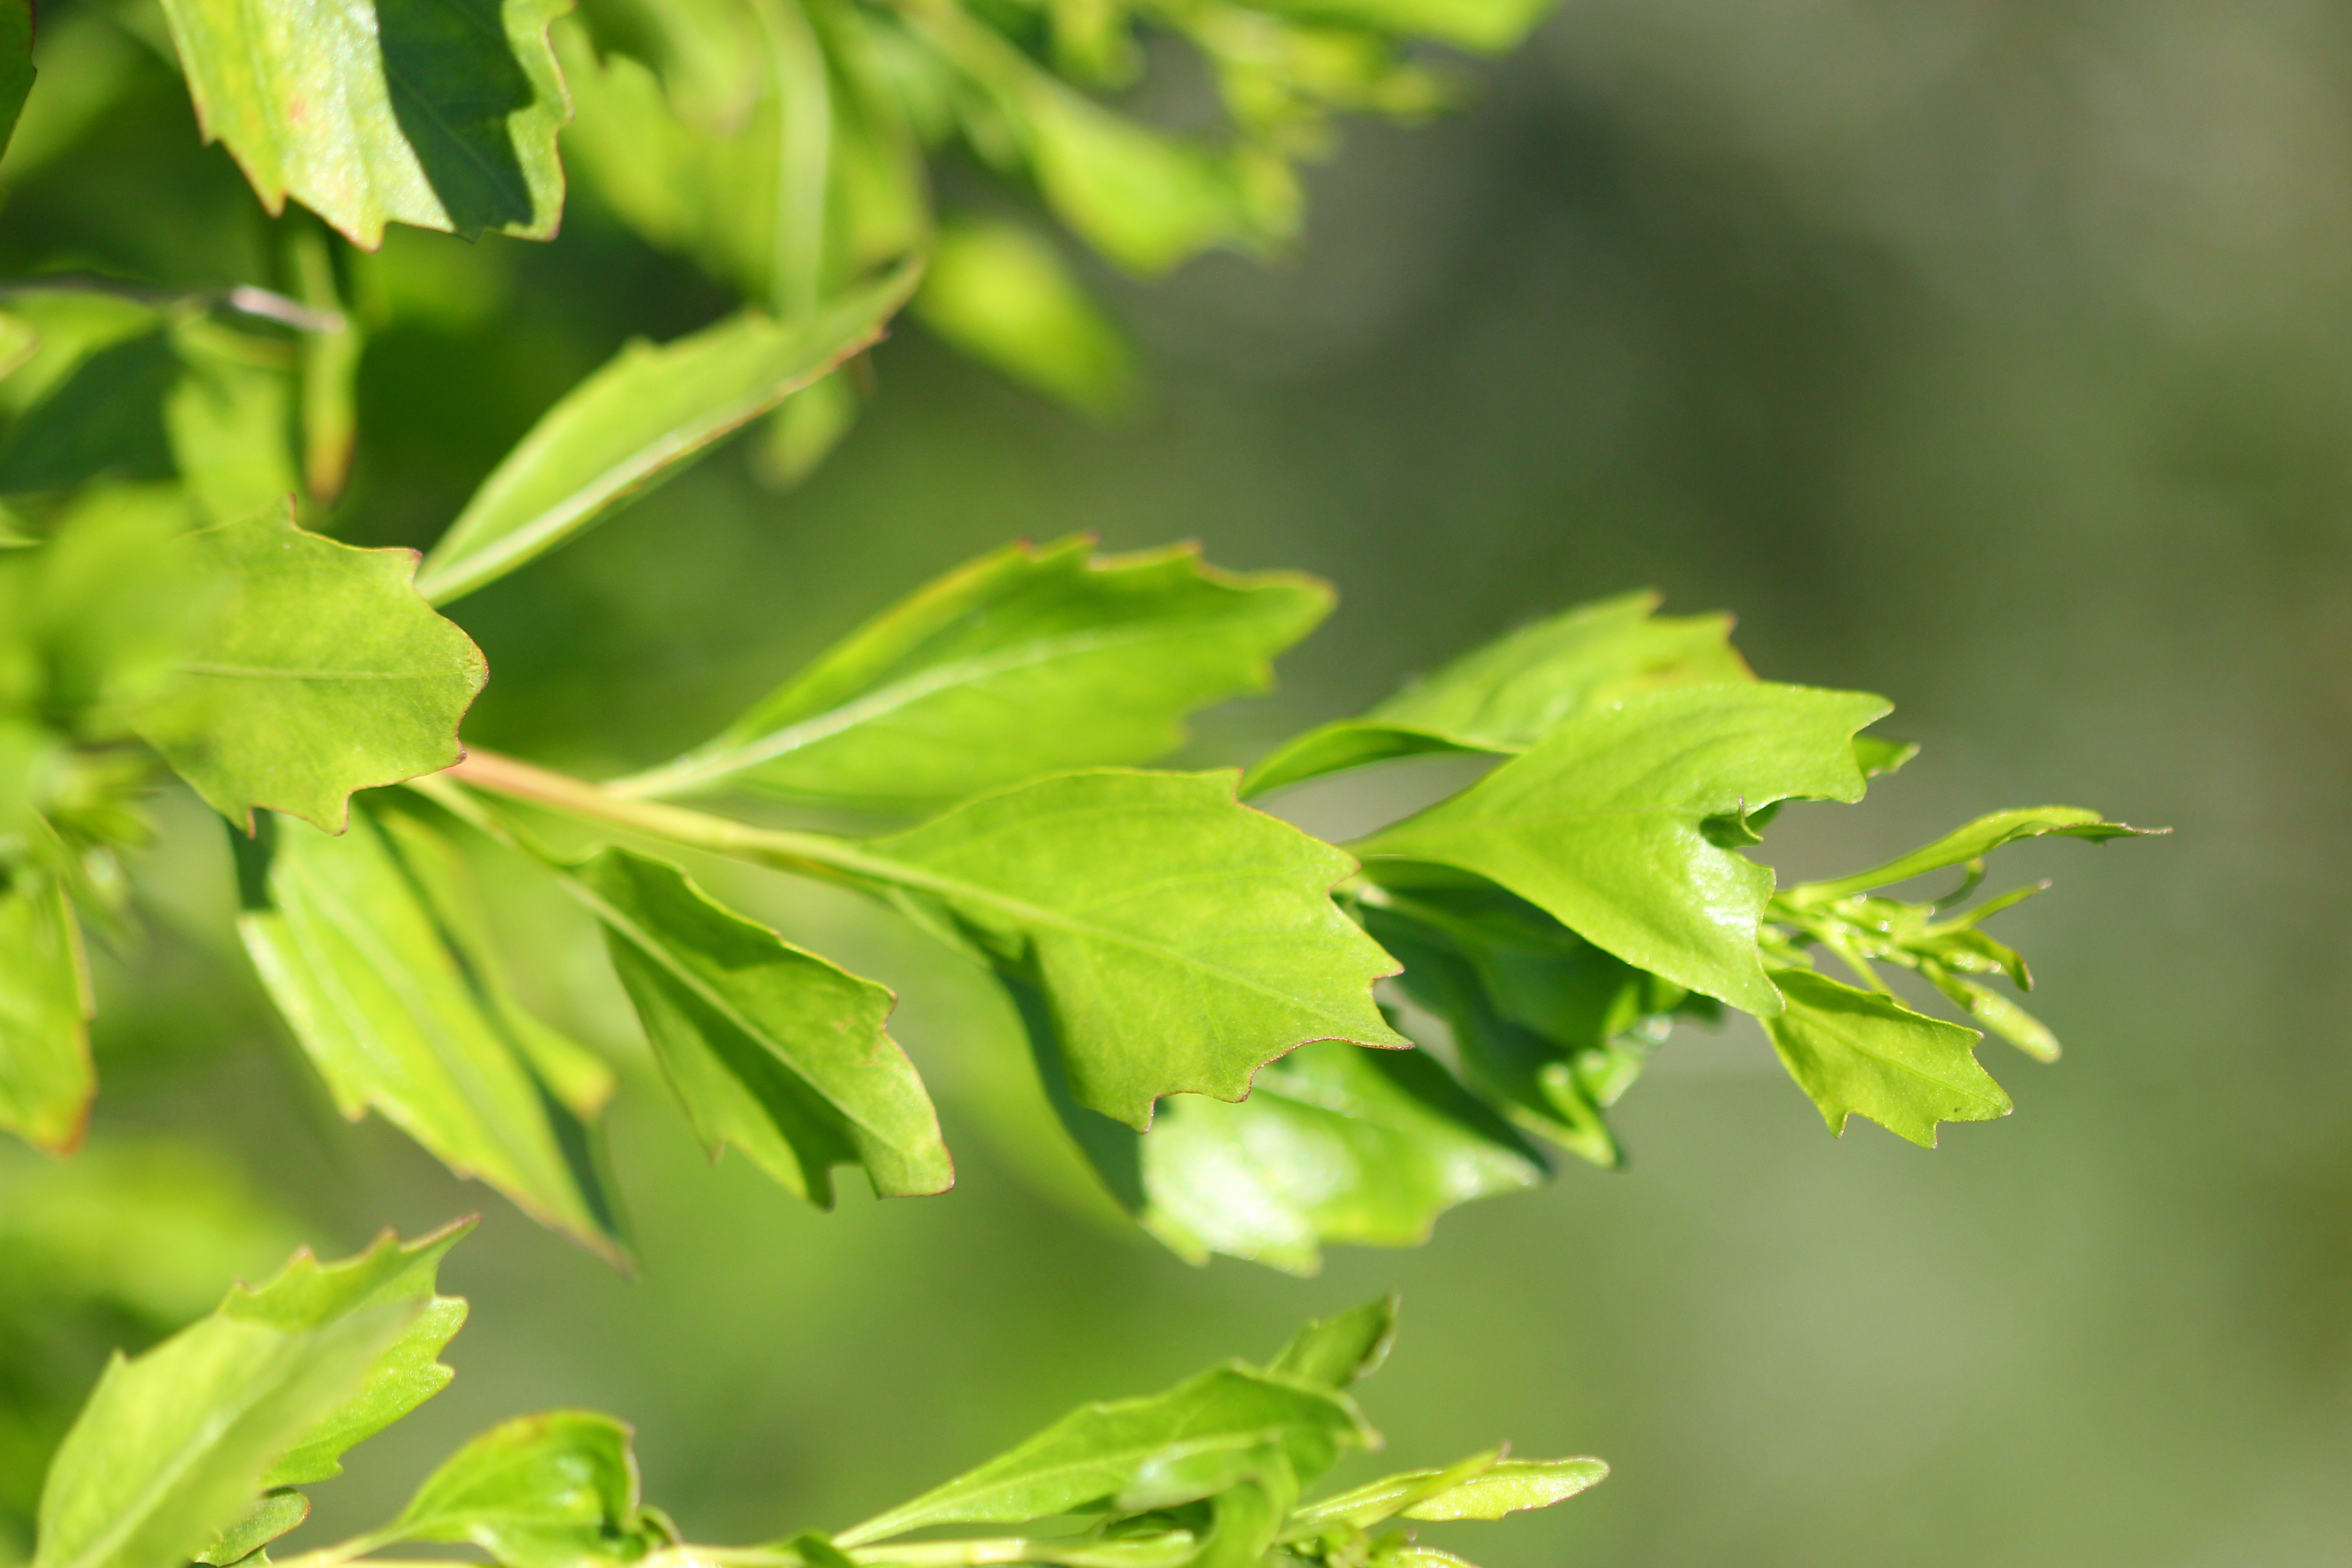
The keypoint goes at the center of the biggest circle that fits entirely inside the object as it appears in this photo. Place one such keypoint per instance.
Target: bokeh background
(1994, 354)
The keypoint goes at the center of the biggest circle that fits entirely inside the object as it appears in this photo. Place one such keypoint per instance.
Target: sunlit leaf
(1603, 824)
(1508, 695)
(552, 1490)
(307, 1294)
(1971, 843)
(772, 1049)
(1181, 940)
(1094, 1454)
(1028, 661)
(1335, 1144)
(324, 673)
(637, 420)
(441, 113)
(1859, 1053)
(272, 1515)
(172, 1445)
(399, 1017)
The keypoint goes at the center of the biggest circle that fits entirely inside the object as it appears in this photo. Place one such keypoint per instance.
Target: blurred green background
(1994, 354)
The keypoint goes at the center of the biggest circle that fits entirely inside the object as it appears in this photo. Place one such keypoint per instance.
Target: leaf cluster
(199, 1449)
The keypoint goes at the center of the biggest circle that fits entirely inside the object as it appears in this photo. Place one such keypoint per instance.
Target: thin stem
(807, 854)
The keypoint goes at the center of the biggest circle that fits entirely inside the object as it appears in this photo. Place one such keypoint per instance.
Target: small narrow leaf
(45, 1077)
(171, 1446)
(306, 1295)
(323, 674)
(1093, 1453)
(1603, 824)
(1000, 294)
(399, 1018)
(1181, 940)
(1024, 662)
(1972, 843)
(552, 1490)
(1858, 1053)
(770, 1047)
(1335, 1144)
(639, 419)
(1343, 1348)
(1511, 1486)
(440, 113)
(1508, 695)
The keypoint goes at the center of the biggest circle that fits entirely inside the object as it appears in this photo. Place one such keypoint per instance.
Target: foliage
(197, 1448)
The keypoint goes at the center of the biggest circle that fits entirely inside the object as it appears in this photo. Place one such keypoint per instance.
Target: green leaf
(306, 1295)
(271, 1516)
(770, 1047)
(1508, 695)
(172, 1445)
(1343, 1348)
(1860, 1053)
(1028, 661)
(552, 1490)
(999, 293)
(640, 419)
(440, 113)
(1488, 26)
(1881, 754)
(1180, 939)
(1335, 1144)
(1511, 1486)
(323, 674)
(46, 1078)
(16, 63)
(1972, 843)
(93, 623)
(329, 366)
(1602, 825)
(230, 417)
(1145, 199)
(399, 1014)
(1096, 1453)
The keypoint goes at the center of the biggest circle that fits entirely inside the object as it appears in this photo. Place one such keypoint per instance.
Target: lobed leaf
(770, 1047)
(1860, 1053)
(552, 1490)
(272, 1515)
(1181, 940)
(440, 113)
(1029, 660)
(308, 1295)
(172, 1445)
(1603, 824)
(1490, 25)
(401, 1014)
(639, 420)
(1097, 1452)
(1506, 695)
(1335, 1144)
(323, 674)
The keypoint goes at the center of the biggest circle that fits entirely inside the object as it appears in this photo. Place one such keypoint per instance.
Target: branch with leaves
(200, 1449)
